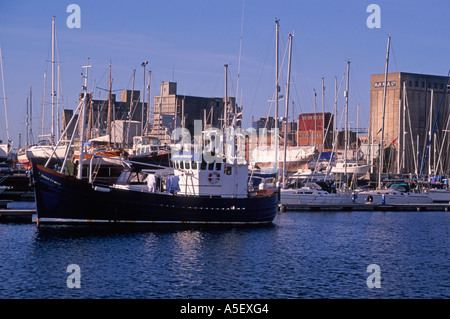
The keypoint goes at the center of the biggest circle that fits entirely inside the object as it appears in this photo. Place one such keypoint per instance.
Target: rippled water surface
(302, 255)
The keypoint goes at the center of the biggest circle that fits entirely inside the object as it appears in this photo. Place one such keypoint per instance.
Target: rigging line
(395, 59)
(262, 67)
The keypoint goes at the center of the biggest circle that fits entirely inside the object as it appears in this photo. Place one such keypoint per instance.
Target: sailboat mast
(147, 123)
(346, 123)
(4, 96)
(380, 165)
(323, 113)
(31, 115)
(143, 64)
(277, 89)
(43, 104)
(109, 104)
(53, 82)
(287, 110)
(404, 127)
(27, 144)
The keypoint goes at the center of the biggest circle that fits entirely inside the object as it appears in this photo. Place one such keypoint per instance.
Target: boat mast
(315, 118)
(83, 112)
(27, 124)
(346, 124)
(43, 104)
(31, 116)
(286, 111)
(53, 82)
(225, 110)
(404, 128)
(380, 164)
(323, 113)
(109, 105)
(4, 96)
(277, 89)
(147, 123)
(430, 133)
(143, 64)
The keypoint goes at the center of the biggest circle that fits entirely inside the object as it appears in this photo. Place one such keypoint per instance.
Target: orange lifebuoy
(214, 178)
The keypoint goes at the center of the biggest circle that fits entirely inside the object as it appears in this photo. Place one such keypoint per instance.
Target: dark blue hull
(65, 199)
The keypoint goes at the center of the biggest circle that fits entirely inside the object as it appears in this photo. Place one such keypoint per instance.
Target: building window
(435, 85)
(423, 84)
(410, 83)
(416, 84)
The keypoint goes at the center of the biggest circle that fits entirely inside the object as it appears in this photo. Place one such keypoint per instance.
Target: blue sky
(189, 41)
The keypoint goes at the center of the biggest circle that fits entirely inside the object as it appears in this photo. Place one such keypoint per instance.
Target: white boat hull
(312, 196)
(392, 197)
(45, 151)
(439, 195)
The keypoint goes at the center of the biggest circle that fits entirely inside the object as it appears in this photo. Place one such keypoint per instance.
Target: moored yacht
(312, 193)
(397, 193)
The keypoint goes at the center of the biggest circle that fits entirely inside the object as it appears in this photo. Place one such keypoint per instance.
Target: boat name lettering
(51, 180)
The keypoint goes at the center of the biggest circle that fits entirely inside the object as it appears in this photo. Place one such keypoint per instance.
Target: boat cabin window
(203, 166)
(187, 165)
(218, 166)
(181, 165)
(129, 177)
(194, 165)
(227, 170)
(210, 166)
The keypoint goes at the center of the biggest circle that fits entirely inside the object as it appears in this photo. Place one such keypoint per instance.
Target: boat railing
(123, 161)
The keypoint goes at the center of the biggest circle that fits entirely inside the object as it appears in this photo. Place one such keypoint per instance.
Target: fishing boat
(197, 192)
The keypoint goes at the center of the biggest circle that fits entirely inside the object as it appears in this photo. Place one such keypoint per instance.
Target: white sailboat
(350, 168)
(397, 193)
(310, 193)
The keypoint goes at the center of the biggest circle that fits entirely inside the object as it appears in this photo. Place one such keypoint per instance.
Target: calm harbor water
(302, 255)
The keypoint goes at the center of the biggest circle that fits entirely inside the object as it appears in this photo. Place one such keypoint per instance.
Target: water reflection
(301, 255)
